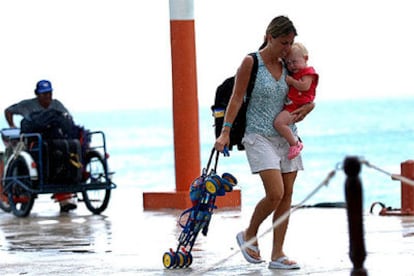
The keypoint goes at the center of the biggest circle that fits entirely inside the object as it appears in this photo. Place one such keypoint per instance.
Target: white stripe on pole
(181, 9)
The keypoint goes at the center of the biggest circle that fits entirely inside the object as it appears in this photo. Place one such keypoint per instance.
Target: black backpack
(221, 100)
(50, 123)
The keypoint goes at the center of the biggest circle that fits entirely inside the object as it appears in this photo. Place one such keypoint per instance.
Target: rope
(283, 217)
(393, 176)
(277, 222)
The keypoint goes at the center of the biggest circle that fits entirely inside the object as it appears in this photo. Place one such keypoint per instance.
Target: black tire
(96, 200)
(20, 199)
(4, 201)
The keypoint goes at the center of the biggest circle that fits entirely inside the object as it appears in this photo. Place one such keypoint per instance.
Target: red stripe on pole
(185, 103)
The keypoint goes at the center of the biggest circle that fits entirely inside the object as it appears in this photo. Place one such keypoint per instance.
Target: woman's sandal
(242, 243)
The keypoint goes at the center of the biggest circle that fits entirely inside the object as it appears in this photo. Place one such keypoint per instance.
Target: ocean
(140, 143)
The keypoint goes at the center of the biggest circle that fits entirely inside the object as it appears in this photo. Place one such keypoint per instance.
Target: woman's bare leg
(284, 206)
(274, 191)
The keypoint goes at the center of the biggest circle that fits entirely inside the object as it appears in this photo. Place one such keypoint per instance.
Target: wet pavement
(126, 240)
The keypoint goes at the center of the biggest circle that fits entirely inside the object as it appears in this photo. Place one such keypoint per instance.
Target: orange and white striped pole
(185, 98)
(185, 113)
(185, 108)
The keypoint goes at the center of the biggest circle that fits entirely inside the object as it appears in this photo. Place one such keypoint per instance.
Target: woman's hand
(300, 113)
(222, 141)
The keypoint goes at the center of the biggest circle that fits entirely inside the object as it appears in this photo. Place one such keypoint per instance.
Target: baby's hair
(297, 46)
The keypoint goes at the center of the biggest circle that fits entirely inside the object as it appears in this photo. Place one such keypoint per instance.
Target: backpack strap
(252, 79)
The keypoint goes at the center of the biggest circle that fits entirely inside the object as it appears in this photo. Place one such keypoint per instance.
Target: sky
(116, 54)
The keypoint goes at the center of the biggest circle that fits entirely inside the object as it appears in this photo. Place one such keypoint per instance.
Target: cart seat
(10, 135)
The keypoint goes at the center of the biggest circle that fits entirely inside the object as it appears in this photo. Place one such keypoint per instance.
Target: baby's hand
(289, 80)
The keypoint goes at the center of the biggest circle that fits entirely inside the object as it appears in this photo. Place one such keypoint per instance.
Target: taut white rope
(393, 176)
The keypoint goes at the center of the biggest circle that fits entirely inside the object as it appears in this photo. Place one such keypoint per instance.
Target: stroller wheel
(227, 185)
(181, 259)
(189, 259)
(219, 184)
(211, 186)
(168, 259)
(230, 178)
(217, 179)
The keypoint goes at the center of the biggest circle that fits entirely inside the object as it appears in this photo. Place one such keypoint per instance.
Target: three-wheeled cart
(32, 165)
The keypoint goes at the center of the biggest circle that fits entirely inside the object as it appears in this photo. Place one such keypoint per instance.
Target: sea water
(381, 131)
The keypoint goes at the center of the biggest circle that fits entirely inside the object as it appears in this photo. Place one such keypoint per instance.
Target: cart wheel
(230, 178)
(181, 259)
(211, 186)
(18, 181)
(4, 201)
(227, 185)
(96, 199)
(189, 259)
(168, 259)
(221, 191)
(216, 178)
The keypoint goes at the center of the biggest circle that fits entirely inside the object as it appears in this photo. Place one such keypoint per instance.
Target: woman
(266, 150)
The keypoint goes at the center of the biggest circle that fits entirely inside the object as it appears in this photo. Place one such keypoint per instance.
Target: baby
(302, 86)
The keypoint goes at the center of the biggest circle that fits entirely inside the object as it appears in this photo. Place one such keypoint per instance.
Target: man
(25, 108)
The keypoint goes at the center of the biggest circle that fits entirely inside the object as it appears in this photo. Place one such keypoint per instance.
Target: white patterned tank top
(267, 100)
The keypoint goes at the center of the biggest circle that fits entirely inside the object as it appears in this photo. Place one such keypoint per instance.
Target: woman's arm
(236, 100)
(300, 113)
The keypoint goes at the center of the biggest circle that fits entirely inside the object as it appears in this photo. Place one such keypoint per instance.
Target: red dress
(296, 98)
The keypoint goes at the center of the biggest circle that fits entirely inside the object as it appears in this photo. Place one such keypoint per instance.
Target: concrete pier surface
(125, 240)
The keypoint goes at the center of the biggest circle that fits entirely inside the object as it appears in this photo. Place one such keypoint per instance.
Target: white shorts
(264, 153)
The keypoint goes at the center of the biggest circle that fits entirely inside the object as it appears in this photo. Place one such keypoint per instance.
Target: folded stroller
(203, 193)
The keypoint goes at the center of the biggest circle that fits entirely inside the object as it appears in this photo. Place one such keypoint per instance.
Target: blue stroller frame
(203, 193)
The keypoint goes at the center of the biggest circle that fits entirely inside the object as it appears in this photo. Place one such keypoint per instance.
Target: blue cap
(43, 86)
